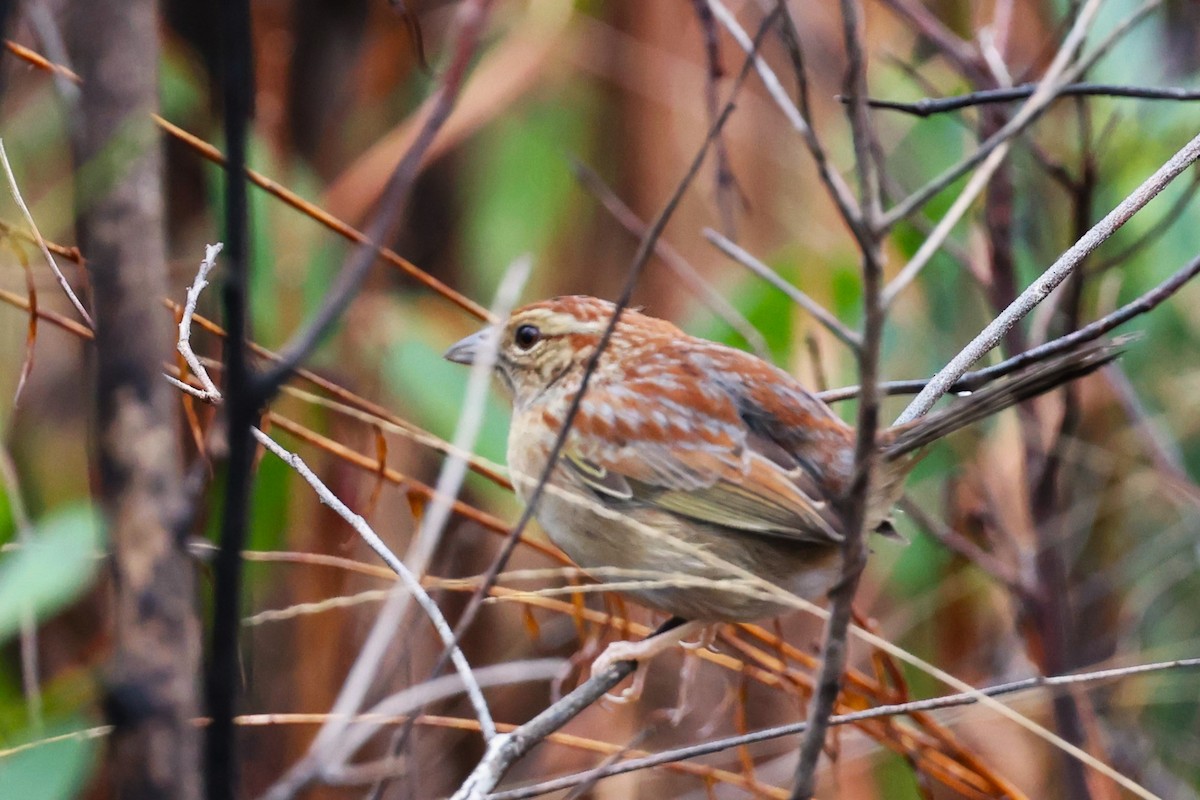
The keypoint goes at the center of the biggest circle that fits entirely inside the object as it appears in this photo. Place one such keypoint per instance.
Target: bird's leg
(708, 635)
(645, 649)
(631, 693)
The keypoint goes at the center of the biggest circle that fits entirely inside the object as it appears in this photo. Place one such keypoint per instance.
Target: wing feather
(711, 473)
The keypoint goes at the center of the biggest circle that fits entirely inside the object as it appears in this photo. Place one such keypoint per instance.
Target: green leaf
(52, 771)
(50, 570)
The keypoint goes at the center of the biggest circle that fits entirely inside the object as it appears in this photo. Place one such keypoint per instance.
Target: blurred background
(623, 93)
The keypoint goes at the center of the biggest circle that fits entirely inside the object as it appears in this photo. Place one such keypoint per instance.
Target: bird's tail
(1021, 385)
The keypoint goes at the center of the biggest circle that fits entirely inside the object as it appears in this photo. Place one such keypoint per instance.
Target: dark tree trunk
(151, 689)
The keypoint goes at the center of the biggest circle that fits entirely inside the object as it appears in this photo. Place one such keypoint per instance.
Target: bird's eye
(527, 336)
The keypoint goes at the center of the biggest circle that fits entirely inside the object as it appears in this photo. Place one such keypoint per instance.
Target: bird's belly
(692, 570)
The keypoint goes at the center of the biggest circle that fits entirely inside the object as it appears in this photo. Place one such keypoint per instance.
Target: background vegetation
(1009, 569)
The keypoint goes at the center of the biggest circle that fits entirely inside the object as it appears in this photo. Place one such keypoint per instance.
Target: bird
(702, 480)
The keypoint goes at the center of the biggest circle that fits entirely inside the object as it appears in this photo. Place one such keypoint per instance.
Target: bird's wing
(694, 457)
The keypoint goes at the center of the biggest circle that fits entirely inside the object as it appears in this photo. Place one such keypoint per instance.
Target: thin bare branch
(853, 508)
(797, 296)
(372, 652)
(507, 748)
(915, 706)
(842, 196)
(930, 106)
(322, 753)
(1028, 113)
(972, 381)
(15, 191)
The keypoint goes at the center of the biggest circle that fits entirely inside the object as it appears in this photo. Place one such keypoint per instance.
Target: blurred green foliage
(49, 570)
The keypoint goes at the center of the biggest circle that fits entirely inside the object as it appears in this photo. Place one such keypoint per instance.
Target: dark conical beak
(466, 350)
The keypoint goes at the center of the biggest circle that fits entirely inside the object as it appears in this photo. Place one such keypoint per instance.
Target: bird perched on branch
(710, 484)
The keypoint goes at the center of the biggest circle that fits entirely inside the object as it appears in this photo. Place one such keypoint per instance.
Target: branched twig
(1052, 277)
(372, 652)
(209, 392)
(506, 749)
(976, 379)
(989, 157)
(1037, 103)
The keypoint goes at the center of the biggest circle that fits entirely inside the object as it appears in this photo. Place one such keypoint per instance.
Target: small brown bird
(699, 477)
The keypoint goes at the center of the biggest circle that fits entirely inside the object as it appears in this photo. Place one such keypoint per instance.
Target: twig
(1027, 114)
(210, 393)
(41, 242)
(797, 296)
(930, 106)
(1052, 277)
(879, 712)
(324, 218)
(507, 748)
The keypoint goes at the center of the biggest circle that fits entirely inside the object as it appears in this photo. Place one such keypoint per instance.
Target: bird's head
(545, 342)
